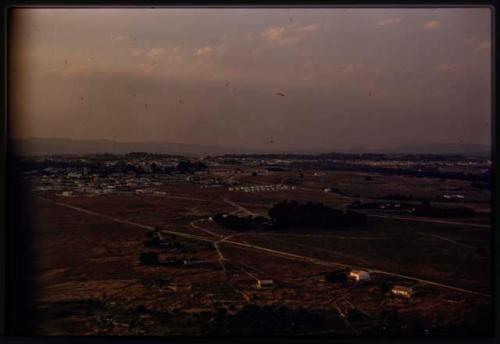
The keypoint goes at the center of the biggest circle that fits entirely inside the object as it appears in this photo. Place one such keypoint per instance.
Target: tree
(385, 286)
(286, 214)
(154, 167)
(426, 209)
(186, 166)
(149, 258)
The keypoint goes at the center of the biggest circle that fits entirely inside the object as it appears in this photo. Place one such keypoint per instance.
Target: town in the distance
(265, 244)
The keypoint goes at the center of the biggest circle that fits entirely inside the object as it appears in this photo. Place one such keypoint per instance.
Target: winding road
(269, 251)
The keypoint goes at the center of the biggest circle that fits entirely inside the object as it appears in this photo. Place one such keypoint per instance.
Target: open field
(92, 282)
(238, 172)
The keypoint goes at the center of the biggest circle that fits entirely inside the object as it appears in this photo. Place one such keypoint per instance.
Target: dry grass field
(91, 280)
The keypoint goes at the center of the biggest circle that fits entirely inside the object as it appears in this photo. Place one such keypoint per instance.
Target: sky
(296, 79)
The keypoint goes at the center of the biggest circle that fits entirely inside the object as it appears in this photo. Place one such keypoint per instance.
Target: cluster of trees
(139, 155)
(232, 161)
(39, 165)
(427, 209)
(291, 213)
(424, 171)
(97, 167)
(149, 258)
(379, 205)
(136, 169)
(186, 166)
(482, 186)
(237, 223)
(339, 276)
(269, 320)
(276, 169)
(155, 242)
(358, 156)
(93, 166)
(398, 197)
(287, 214)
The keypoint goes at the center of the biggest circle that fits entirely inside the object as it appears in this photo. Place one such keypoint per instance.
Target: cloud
(76, 71)
(447, 67)
(308, 29)
(389, 21)
(152, 59)
(291, 34)
(158, 54)
(470, 41)
(430, 25)
(206, 51)
(347, 69)
(146, 68)
(120, 38)
(137, 52)
(211, 51)
(274, 33)
(155, 53)
(484, 46)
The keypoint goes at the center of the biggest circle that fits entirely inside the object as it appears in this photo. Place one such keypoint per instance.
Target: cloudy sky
(299, 79)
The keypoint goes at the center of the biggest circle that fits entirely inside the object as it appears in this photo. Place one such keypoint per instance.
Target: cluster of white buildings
(262, 188)
(453, 196)
(93, 185)
(360, 276)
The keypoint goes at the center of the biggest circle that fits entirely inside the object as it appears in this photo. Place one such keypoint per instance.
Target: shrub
(237, 223)
(286, 214)
(149, 258)
(426, 209)
(385, 287)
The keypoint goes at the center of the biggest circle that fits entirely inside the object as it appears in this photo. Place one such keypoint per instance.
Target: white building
(359, 275)
(399, 290)
(262, 284)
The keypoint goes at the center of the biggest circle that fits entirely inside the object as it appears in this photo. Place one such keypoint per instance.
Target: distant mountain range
(446, 148)
(48, 146)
